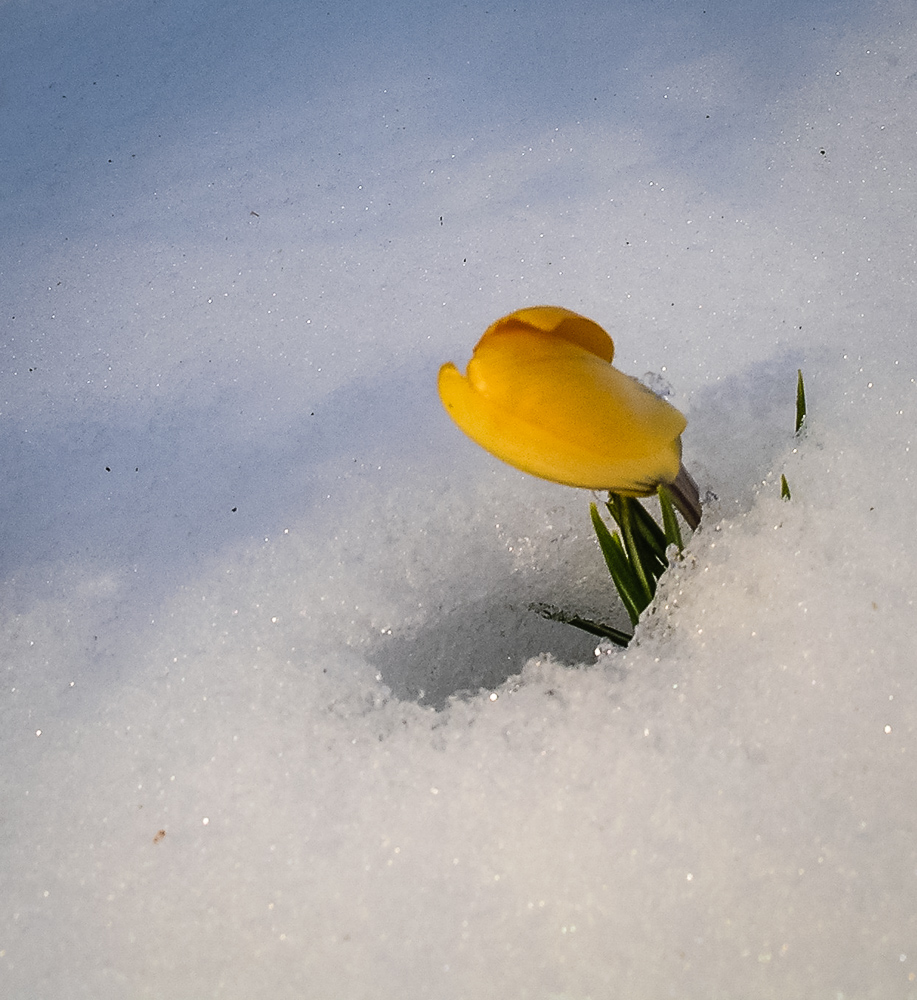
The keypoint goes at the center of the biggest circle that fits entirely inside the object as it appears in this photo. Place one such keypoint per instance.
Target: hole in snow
(476, 646)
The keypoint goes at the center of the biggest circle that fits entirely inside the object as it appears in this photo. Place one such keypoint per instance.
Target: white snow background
(276, 718)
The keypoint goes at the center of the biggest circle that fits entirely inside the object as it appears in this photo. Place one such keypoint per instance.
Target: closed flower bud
(541, 394)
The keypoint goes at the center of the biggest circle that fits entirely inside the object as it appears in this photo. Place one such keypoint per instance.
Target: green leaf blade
(800, 401)
(639, 554)
(619, 566)
(616, 635)
(669, 520)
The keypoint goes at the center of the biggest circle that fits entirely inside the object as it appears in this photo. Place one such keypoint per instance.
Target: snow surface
(276, 718)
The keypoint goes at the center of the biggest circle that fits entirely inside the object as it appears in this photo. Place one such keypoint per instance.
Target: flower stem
(686, 497)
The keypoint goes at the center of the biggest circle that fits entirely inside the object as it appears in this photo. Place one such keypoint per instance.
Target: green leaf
(652, 534)
(800, 401)
(669, 520)
(622, 573)
(586, 624)
(641, 551)
(784, 488)
(639, 554)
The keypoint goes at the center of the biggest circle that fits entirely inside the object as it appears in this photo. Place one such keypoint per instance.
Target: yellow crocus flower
(542, 395)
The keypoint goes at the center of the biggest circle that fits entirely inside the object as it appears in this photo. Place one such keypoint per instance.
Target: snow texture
(277, 718)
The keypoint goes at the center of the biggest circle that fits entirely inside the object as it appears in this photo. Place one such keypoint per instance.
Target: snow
(276, 718)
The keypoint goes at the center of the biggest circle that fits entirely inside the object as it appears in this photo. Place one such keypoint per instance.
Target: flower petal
(560, 323)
